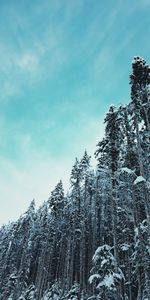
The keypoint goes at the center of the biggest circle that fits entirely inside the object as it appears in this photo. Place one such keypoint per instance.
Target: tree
(141, 259)
(104, 275)
(140, 80)
(111, 147)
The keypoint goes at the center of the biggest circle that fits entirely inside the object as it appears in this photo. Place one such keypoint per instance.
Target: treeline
(94, 242)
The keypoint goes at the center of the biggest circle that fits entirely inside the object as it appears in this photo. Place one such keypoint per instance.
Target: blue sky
(62, 62)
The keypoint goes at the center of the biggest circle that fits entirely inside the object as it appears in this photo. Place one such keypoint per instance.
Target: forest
(94, 241)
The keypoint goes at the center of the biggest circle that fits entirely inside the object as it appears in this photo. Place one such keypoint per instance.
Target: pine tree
(104, 275)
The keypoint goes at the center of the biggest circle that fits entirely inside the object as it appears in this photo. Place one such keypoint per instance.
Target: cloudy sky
(62, 63)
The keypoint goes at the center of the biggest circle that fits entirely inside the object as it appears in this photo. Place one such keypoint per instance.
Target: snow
(119, 275)
(45, 298)
(139, 179)
(136, 230)
(9, 245)
(108, 282)
(144, 226)
(98, 250)
(127, 170)
(148, 185)
(104, 261)
(29, 244)
(55, 297)
(93, 277)
(120, 209)
(125, 247)
(78, 230)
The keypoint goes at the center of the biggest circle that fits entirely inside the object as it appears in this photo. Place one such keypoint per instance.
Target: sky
(62, 63)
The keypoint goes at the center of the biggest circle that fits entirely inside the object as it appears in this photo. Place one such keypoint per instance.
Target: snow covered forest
(94, 242)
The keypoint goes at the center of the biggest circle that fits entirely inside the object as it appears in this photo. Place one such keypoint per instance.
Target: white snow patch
(108, 282)
(144, 226)
(9, 245)
(139, 179)
(148, 184)
(93, 277)
(125, 247)
(127, 170)
(136, 230)
(98, 250)
(104, 261)
(45, 298)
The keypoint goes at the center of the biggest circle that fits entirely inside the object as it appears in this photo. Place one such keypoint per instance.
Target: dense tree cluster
(93, 243)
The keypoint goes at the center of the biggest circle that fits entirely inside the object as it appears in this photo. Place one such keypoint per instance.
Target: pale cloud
(28, 62)
(29, 68)
(32, 62)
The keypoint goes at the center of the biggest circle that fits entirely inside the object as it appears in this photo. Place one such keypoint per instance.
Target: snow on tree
(105, 274)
